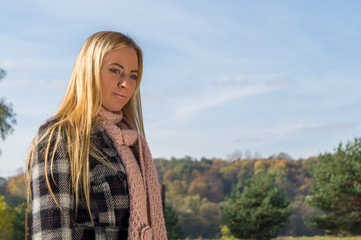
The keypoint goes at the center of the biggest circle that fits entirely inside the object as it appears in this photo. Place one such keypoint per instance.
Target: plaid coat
(108, 195)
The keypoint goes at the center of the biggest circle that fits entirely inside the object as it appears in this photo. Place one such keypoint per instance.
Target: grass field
(319, 238)
(303, 238)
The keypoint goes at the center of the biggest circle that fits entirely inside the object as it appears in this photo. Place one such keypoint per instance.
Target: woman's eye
(134, 77)
(114, 70)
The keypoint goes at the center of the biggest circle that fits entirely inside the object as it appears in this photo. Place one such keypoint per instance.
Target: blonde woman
(89, 170)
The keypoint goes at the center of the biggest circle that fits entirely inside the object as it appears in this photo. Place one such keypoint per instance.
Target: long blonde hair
(77, 113)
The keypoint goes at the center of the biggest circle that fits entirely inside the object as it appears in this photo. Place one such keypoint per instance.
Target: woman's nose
(123, 81)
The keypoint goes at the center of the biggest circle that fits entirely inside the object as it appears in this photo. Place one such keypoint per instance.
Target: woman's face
(118, 78)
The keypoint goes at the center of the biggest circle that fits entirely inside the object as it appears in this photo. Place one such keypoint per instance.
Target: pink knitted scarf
(146, 221)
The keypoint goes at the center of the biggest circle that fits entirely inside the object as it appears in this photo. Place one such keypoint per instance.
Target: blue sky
(219, 76)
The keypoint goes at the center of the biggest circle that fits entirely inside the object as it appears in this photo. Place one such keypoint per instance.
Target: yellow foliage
(6, 226)
(218, 164)
(226, 234)
(258, 164)
(16, 186)
(278, 167)
(217, 161)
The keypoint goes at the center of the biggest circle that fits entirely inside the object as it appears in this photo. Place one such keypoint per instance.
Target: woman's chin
(112, 109)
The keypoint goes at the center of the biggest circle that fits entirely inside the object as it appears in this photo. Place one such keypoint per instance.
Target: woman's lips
(120, 96)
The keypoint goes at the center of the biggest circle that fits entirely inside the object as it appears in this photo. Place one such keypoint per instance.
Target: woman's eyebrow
(121, 66)
(117, 64)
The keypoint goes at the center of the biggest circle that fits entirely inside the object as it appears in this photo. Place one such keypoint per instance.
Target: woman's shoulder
(47, 140)
(43, 131)
(48, 123)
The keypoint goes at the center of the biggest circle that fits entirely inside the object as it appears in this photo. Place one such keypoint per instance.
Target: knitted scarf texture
(146, 221)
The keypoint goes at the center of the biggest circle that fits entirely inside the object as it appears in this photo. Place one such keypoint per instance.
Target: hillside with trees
(318, 192)
(197, 193)
(196, 190)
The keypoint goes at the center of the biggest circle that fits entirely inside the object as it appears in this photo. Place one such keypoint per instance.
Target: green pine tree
(171, 223)
(337, 190)
(257, 208)
(18, 221)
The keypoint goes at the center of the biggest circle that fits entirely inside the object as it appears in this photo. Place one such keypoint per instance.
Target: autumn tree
(256, 208)
(16, 207)
(337, 190)
(6, 226)
(226, 234)
(15, 189)
(184, 168)
(207, 185)
(7, 115)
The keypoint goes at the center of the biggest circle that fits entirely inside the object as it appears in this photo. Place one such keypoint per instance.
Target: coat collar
(100, 139)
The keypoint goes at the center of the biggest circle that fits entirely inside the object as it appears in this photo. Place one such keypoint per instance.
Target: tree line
(263, 198)
(242, 198)
(199, 191)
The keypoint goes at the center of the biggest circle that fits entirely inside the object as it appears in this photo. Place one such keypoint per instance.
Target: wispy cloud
(333, 127)
(212, 97)
(36, 84)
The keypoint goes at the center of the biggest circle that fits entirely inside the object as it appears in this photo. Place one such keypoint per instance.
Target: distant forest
(195, 190)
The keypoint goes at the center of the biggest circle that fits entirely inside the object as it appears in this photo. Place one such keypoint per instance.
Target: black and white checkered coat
(109, 195)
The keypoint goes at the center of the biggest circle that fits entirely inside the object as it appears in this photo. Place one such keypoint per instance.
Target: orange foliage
(198, 187)
(169, 176)
(16, 186)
